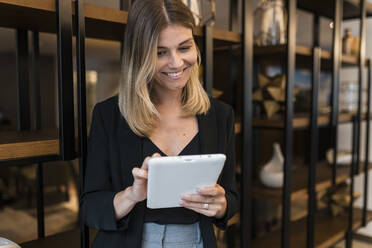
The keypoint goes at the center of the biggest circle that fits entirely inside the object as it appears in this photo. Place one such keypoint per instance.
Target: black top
(178, 215)
(114, 150)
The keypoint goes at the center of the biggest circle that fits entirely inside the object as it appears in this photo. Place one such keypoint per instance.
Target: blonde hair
(147, 18)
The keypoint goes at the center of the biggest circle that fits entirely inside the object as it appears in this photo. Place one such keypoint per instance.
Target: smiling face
(177, 55)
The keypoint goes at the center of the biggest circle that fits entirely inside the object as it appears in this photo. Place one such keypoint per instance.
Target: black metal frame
(316, 31)
(208, 59)
(82, 112)
(247, 131)
(36, 81)
(233, 60)
(65, 80)
(288, 132)
(313, 146)
(349, 232)
(362, 34)
(23, 83)
(366, 160)
(336, 64)
(40, 200)
(314, 132)
(37, 126)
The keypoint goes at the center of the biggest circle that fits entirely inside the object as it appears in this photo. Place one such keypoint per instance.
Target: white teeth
(174, 74)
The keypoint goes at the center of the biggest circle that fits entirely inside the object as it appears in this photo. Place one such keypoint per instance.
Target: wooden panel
(303, 51)
(328, 231)
(300, 181)
(29, 149)
(33, 4)
(28, 143)
(237, 127)
(225, 35)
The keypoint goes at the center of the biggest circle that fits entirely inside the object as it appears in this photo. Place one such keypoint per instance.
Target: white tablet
(171, 177)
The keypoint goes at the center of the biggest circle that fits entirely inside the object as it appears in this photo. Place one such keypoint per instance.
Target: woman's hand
(125, 200)
(210, 201)
(139, 187)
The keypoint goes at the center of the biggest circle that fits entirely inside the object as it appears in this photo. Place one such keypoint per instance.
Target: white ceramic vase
(271, 174)
(270, 17)
(5, 243)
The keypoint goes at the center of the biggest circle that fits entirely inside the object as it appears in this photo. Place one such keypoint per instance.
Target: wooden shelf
(325, 8)
(28, 144)
(101, 22)
(304, 55)
(300, 182)
(328, 231)
(237, 127)
(301, 121)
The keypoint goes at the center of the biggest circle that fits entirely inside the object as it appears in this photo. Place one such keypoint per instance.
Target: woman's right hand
(125, 200)
(139, 187)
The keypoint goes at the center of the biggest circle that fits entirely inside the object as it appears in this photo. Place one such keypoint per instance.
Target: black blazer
(114, 150)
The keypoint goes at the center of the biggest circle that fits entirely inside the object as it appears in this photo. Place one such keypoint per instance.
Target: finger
(211, 190)
(156, 155)
(139, 174)
(206, 212)
(198, 198)
(199, 205)
(145, 165)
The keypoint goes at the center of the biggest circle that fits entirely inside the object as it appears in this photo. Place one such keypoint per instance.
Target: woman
(161, 110)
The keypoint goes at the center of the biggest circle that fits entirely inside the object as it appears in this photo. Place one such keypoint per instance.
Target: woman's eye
(161, 53)
(186, 48)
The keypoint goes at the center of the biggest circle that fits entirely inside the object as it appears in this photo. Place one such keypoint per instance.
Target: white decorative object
(270, 16)
(194, 6)
(5, 243)
(343, 157)
(202, 17)
(271, 174)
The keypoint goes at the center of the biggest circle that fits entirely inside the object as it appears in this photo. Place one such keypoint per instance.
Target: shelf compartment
(325, 8)
(328, 231)
(15, 145)
(304, 55)
(101, 22)
(300, 182)
(301, 121)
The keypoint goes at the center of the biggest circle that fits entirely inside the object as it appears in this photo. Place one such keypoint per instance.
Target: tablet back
(171, 177)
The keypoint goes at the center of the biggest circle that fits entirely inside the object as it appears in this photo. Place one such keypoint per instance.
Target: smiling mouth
(175, 75)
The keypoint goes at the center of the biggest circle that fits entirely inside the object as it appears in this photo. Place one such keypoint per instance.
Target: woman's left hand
(210, 201)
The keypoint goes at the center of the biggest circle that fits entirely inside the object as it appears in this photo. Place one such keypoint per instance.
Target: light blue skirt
(171, 236)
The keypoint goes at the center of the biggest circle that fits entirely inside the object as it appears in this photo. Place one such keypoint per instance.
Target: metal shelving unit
(315, 231)
(104, 23)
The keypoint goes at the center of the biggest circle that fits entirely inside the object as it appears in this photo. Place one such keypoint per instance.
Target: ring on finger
(206, 206)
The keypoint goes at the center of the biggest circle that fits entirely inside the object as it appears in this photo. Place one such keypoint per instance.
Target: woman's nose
(176, 60)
